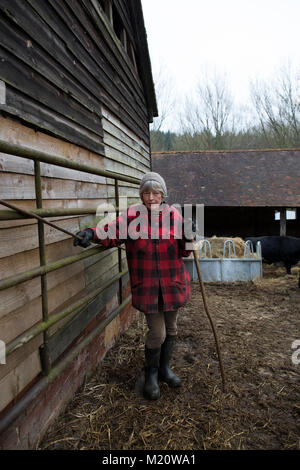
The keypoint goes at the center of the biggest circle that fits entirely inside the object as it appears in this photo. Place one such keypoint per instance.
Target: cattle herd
(276, 249)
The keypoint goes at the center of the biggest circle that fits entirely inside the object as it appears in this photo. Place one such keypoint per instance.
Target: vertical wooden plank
(283, 222)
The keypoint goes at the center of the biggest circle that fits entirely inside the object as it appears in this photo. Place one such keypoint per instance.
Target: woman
(160, 285)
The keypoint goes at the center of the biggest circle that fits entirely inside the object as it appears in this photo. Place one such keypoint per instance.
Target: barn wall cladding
(240, 189)
(76, 99)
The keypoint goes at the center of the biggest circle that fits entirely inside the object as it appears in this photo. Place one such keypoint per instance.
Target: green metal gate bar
(12, 215)
(44, 268)
(48, 268)
(47, 323)
(12, 414)
(25, 152)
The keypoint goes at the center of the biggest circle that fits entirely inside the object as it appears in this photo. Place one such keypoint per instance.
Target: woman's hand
(87, 235)
(189, 230)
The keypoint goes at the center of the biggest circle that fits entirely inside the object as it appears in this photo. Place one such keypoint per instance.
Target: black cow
(276, 249)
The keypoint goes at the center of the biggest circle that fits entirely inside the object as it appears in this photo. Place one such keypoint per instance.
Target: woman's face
(152, 199)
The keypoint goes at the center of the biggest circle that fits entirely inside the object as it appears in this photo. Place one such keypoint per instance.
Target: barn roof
(231, 178)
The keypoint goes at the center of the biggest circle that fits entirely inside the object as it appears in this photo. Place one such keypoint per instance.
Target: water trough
(229, 268)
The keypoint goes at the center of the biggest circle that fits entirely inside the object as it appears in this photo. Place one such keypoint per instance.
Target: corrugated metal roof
(268, 177)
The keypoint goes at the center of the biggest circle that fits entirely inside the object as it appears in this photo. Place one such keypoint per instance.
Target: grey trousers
(160, 324)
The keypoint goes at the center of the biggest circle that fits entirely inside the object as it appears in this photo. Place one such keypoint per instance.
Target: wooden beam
(283, 222)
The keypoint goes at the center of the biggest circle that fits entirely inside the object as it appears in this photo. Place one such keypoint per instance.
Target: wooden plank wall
(71, 90)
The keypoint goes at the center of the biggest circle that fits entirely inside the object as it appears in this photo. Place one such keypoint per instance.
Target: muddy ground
(256, 323)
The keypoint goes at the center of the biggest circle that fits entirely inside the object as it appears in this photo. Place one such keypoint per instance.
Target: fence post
(2, 352)
(117, 202)
(44, 350)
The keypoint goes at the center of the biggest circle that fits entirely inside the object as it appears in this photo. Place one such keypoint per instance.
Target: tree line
(210, 120)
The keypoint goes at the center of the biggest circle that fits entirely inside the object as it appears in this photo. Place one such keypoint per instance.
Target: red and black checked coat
(154, 255)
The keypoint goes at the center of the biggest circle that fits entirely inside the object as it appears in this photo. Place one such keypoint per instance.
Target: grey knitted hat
(152, 176)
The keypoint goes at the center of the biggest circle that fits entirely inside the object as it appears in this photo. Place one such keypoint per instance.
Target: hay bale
(217, 247)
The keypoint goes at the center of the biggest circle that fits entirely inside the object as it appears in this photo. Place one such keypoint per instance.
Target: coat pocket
(181, 285)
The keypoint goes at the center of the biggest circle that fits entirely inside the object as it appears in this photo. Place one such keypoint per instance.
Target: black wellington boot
(164, 372)
(151, 388)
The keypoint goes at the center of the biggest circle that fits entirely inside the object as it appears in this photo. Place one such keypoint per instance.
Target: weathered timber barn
(76, 99)
(241, 190)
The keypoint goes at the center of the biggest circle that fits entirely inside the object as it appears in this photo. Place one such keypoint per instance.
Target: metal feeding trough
(229, 268)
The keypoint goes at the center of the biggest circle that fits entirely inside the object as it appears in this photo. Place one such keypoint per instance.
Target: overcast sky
(242, 39)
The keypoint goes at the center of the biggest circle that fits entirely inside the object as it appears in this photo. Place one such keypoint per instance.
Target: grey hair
(151, 185)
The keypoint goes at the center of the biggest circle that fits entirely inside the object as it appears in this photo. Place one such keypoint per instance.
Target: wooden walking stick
(209, 317)
(35, 216)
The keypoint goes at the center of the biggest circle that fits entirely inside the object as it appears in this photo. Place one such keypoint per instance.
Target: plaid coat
(154, 255)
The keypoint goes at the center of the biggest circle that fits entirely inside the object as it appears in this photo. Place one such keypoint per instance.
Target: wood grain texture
(74, 92)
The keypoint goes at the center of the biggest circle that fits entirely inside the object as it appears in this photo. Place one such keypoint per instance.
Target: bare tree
(166, 106)
(210, 113)
(165, 99)
(277, 104)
